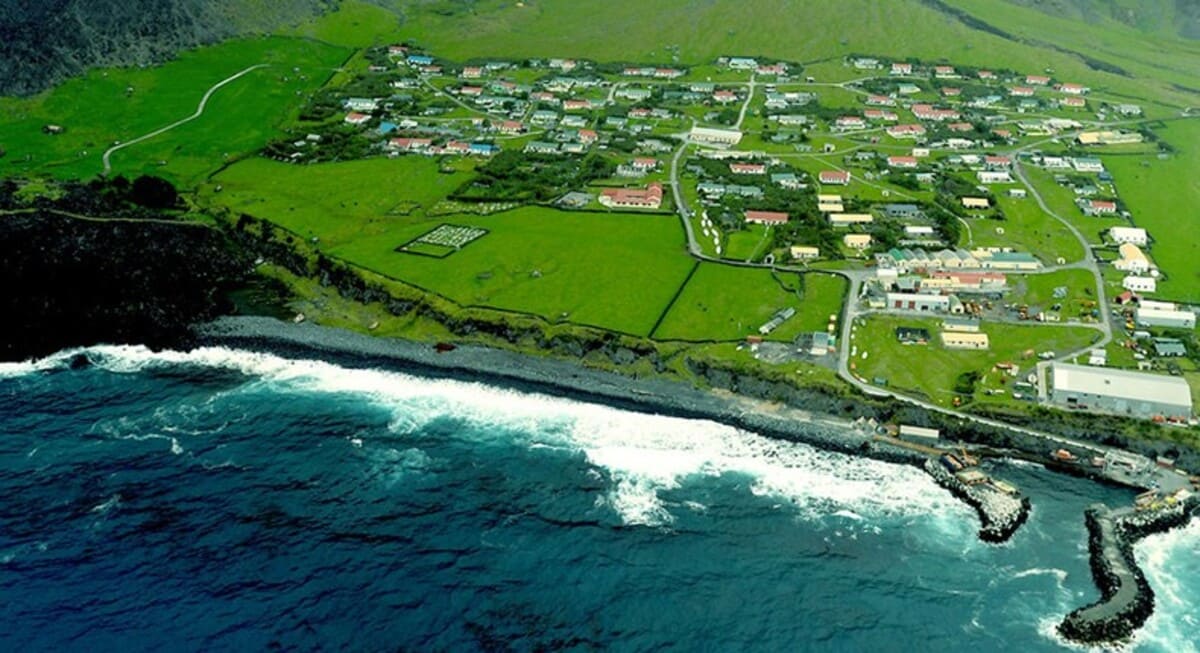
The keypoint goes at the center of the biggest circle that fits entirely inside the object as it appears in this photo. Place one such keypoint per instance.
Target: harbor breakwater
(1126, 599)
(1000, 514)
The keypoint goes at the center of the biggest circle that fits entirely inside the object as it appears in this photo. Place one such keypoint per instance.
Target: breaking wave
(643, 455)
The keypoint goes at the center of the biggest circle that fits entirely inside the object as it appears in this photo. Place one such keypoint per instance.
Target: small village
(909, 178)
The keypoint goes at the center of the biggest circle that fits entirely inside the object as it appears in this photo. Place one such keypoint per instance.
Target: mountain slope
(42, 43)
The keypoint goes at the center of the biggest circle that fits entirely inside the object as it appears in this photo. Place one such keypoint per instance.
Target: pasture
(728, 303)
(612, 270)
(1162, 195)
(931, 370)
(109, 105)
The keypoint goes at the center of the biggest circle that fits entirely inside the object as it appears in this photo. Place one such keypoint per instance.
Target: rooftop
(1135, 386)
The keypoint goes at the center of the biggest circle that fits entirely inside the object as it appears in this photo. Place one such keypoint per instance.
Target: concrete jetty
(1126, 599)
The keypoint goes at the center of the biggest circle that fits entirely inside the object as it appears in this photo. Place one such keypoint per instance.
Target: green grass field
(1028, 228)
(931, 370)
(727, 303)
(613, 270)
(1163, 195)
(1038, 290)
(97, 111)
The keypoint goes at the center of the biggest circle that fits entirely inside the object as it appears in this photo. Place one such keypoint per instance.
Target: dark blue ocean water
(233, 501)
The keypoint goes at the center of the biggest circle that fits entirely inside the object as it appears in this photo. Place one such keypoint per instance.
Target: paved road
(746, 104)
(199, 112)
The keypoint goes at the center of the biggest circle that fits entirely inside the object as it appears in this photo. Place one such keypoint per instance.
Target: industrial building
(1161, 317)
(1120, 392)
(964, 340)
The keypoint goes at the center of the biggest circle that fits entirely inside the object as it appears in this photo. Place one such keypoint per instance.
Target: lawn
(1038, 290)
(1162, 195)
(1027, 228)
(931, 370)
(109, 105)
(723, 302)
(612, 270)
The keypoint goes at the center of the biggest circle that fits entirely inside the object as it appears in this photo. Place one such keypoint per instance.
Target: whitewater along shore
(999, 518)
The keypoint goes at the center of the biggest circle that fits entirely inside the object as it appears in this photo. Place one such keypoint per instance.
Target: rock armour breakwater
(1000, 515)
(1127, 600)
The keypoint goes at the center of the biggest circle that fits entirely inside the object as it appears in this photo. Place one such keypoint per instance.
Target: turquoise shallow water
(224, 500)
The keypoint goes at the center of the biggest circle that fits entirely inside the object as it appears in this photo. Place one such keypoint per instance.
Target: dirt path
(199, 111)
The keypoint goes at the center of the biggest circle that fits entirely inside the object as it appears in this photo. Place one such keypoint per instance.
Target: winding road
(199, 112)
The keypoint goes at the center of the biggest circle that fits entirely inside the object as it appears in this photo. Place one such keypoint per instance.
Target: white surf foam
(1171, 562)
(644, 455)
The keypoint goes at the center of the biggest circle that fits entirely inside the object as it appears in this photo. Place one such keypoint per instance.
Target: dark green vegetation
(137, 275)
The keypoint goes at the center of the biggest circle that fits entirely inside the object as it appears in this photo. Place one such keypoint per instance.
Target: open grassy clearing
(613, 270)
(1061, 200)
(1162, 195)
(338, 202)
(1028, 228)
(931, 370)
(727, 303)
(112, 105)
(1038, 290)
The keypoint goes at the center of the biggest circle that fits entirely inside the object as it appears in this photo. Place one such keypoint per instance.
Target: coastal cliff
(77, 282)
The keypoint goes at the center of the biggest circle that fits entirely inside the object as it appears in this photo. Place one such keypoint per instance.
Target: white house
(1133, 235)
(1140, 284)
(1132, 260)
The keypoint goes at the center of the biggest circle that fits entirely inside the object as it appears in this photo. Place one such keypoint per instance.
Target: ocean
(230, 500)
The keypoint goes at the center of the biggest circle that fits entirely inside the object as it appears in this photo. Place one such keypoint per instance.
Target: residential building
(834, 177)
(994, 177)
(1140, 284)
(902, 68)
(355, 118)
(649, 197)
(857, 241)
(804, 252)
(1132, 260)
(1133, 235)
(976, 203)
(902, 162)
(748, 168)
(715, 136)
(1120, 392)
(848, 219)
(766, 217)
(906, 131)
(902, 211)
(1098, 207)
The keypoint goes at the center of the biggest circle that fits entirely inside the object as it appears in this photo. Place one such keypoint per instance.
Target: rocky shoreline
(1126, 599)
(1000, 515)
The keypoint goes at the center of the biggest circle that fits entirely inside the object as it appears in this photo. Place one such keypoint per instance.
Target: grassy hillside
(699, 31)
(112, 105)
